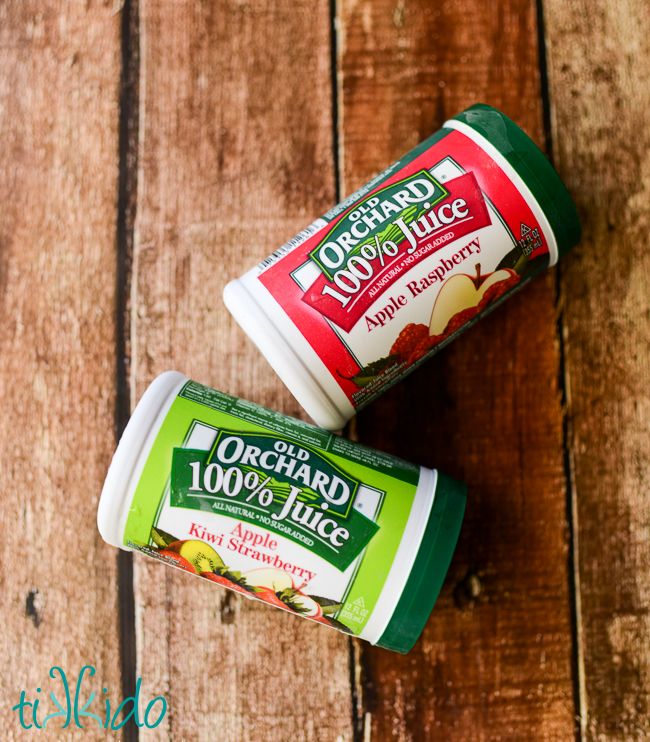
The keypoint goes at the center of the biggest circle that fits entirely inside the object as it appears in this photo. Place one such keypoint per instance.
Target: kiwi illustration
(201, 555)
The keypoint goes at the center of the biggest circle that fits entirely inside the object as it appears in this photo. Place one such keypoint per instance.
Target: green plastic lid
(430, 567)
(533, 167)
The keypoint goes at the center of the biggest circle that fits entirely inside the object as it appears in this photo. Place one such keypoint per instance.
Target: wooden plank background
(59, 95)
(495, 659)
(153, 150)
(225, 166)
(600, 94)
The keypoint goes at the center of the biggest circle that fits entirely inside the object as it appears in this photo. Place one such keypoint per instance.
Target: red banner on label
(372, 269)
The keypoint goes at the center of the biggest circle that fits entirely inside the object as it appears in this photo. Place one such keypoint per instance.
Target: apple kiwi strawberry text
(278, 583)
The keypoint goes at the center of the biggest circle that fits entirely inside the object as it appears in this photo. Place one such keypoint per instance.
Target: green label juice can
(396, 271)
(281, 511)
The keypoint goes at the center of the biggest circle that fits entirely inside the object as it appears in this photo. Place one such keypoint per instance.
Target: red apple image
(467, 294)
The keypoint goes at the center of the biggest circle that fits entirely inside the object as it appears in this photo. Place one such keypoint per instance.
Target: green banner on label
(291, 491)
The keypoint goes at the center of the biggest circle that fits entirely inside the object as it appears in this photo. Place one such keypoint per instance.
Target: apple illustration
(468, 294)
(306, 606)
(275, 586)
(270, 578)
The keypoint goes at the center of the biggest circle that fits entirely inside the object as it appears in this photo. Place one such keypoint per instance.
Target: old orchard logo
(277, 484)
(375, 217)
(289, 464)
(356, 270)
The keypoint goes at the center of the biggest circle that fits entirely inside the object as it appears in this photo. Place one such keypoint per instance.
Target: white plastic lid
(131, 454)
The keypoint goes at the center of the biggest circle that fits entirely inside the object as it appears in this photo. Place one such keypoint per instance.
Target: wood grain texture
(235, 157)
(59, 91)
(600, 86)
(495, 659)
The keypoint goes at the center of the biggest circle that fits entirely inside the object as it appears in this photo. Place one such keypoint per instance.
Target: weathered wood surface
(235, 156)
(239, 143)
(600, 93)
(59, 92)
(495, 659)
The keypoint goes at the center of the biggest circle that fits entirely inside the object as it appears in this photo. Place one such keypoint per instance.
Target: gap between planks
(573, 573)
(126, 212)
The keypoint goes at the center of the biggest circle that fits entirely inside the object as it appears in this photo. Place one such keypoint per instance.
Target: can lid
(131, 453)
(430, 567)
(533, 167)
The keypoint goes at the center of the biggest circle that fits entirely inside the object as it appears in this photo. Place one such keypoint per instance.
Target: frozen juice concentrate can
(396, 271)
(281, 511)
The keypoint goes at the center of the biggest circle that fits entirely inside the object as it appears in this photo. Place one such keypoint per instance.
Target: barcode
(294, 242)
